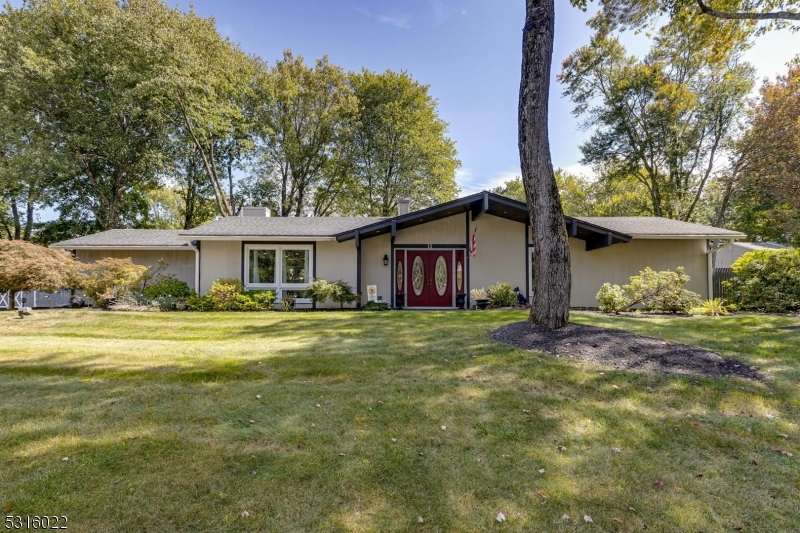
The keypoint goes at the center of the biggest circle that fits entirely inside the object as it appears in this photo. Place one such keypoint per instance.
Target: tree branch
(747, 15)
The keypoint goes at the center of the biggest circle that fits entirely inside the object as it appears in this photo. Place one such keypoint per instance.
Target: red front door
(430, 275)
(441, 275)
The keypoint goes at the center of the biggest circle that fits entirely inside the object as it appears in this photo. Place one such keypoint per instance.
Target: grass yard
(159, 418)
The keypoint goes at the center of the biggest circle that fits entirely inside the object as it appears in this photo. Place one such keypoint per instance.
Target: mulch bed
(621, 350)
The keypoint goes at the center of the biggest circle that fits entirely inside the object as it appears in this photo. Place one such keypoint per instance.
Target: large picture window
(281, 268)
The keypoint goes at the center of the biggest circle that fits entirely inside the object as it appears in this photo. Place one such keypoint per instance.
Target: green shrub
(112, 278)
(223, 293)
(767, 281)
(715, 307)
(167, 286)
(245, 302)
(503, 295)
(612, 298)
(265, 299)
(479, 294)
(165, 303)
(339, 291)
(199, 303)
(654, 291)
(342, 293)
(376, 306)
(318, 291)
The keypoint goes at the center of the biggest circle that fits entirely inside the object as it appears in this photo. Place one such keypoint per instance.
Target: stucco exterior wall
(372, 270)
(336, 261)
(180, 262)
(219, 259)
(448, 230)
(617, 263)
(501, 250)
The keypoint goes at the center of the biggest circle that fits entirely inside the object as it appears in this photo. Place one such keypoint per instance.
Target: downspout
(710, 256)
(195, 245)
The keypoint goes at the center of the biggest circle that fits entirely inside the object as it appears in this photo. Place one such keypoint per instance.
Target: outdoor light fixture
(385, 260)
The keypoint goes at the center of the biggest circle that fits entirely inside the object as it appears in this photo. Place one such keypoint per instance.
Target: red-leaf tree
(25, 266)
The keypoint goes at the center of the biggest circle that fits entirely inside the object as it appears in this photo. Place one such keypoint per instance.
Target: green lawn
(158, 417)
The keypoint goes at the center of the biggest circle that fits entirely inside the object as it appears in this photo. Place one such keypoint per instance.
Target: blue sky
(468, 51)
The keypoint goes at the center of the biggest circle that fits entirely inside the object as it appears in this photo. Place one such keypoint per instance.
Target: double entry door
(430, 278)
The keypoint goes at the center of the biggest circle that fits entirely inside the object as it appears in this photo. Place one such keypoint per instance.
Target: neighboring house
(417, 259)
(724, 258)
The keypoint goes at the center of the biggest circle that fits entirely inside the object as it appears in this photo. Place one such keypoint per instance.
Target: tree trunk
(551, 262)
(11, 296)
(28, 221)
(15, 216)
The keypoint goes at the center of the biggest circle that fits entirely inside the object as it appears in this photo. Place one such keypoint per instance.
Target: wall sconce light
(385, 260)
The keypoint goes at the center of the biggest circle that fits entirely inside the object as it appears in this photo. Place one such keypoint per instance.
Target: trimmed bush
(265, 299)
(167, 286)
(110, 279)
(223, 293)
(376, 306)
(767, 281)
(342, 293)
(199, 303)
(654, 291)
(318, 291)
(503, 295)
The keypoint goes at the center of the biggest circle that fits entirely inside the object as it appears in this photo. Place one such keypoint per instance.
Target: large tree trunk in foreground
(551, 265)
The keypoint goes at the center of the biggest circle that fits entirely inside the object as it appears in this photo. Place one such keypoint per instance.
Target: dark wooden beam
(572, 228)
(358, 239)
(602, 241)
(394, 229)
(484, 207)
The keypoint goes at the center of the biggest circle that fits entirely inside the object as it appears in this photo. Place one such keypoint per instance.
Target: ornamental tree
(25, 266)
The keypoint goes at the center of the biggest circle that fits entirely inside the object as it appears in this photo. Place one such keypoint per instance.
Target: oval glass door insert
(399, 276)
(440, 275)
(459, 276)
(417, 275)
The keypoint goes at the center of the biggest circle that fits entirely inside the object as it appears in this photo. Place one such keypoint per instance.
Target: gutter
(194, 245)
(683, 236)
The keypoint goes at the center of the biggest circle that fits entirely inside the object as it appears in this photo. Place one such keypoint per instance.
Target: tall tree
(667, 120)
(303, 114)
(551, 262)
(398, 145)
(79, 66)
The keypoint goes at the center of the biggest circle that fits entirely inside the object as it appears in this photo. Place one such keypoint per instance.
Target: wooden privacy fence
(720, 275)
(37, 299)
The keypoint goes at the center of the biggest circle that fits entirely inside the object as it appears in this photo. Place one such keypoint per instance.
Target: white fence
(37, 299)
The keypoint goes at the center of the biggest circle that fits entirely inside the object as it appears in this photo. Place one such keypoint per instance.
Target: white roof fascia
(119, 247)
(665, 237)
(253, 238)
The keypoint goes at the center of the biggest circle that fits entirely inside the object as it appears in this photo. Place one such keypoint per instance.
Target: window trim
(278, 286)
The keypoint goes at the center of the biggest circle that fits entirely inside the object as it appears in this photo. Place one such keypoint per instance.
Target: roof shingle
(656, 226)
(279, 226)
(128, 238)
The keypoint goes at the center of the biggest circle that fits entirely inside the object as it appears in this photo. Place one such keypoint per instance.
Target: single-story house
(429, 258)
(724, 258)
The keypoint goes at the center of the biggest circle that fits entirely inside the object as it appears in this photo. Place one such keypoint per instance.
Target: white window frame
(278, 286)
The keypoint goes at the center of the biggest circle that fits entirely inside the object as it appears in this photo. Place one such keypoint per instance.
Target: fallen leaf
(588, 519)
(660, 483)
(252, 421)
(65, 459)
(394, 439)
(420, 520)
(543, 494)
(9, 507)
(541, 470)
(616, 450)
(562, 448)
(787, 453)
(245, 514)
(618, 520)
(341, 455)
(737, 528)
(698, 475)
(116, 481)
(443, 428)
(327, 402)
(318, 405)
(565, 516)
(501, 517)
(526, 411)
(784, 435)
(614, 387)
(253, 473)
(696, 425)
(258, 396)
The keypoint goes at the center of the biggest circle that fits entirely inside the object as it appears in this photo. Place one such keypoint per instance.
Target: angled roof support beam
(602, 241)
(358, 239)
(484, 207)
(394, 229)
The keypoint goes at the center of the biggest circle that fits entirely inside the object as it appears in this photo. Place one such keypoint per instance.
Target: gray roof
(279, 226)
(656, 226)
(128, 238)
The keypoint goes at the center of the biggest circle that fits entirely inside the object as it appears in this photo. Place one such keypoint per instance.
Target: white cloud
(469, 183)
(443, 11)
(393, 18)
(580, 170)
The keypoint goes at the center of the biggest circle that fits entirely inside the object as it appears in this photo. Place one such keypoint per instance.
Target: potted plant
(481, 298)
